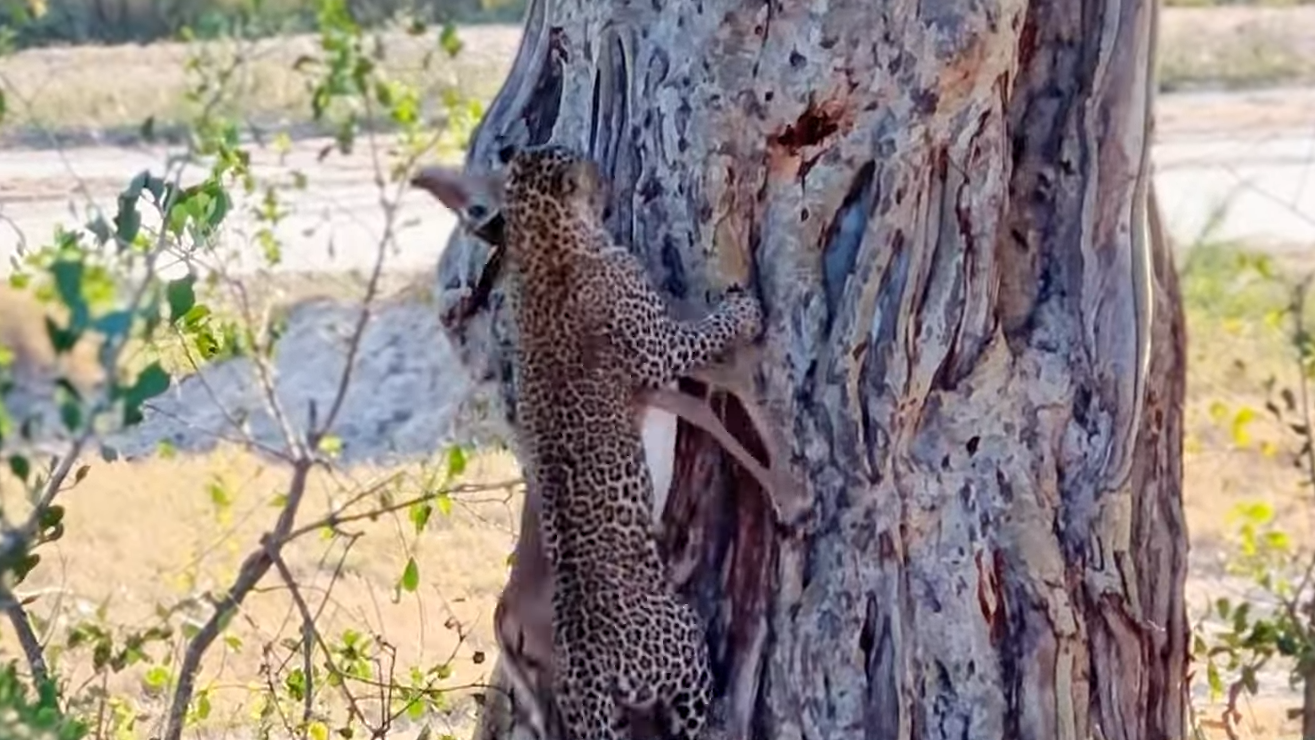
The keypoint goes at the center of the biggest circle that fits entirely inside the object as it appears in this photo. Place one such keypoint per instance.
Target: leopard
(594, 336)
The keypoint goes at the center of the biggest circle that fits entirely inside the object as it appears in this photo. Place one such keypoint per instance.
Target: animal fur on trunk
(973, 352)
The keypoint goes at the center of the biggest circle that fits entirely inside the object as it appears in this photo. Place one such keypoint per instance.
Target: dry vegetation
(1235, 453)
(176, 544)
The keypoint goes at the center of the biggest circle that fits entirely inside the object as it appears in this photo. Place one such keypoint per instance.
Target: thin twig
(308, 623)
(371, 291)
(307, 665)
(256, 565)
(338, 519)
(27, 637)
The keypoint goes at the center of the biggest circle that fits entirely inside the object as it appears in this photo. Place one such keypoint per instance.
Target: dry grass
(1236, 342)
(108, 88)
(115, 88)
(174, 543)
(1237, 47)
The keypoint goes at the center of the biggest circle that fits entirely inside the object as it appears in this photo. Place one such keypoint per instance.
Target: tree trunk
(974, 353)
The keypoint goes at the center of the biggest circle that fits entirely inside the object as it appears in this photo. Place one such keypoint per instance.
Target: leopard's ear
(472, 197)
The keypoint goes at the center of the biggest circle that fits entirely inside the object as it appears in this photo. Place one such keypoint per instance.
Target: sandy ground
(1251, 153)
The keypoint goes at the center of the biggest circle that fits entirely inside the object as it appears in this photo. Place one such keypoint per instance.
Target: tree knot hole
(817, 123)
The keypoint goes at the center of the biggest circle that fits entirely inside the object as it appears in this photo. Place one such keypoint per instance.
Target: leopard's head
(552, 185)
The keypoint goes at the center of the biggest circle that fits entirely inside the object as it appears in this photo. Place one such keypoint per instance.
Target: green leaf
(181, 296)
(51, 517)
(295, 683)
(448, 41)
(444, 504)
(383, 92)
(270, 248)
(411, 575)
(218, 495)
(1244, 417)
(217, 205)
(1277, 541)
(331, 445)
(157, 677)
(318, 731)
(195, 316)
(1287, 644)
(1241, 617)
(70, 414)
(69, 276)
(1259, 513)
(20, 467)
(456, 461)
(25, 565)
(203, 705)
(152, 381)
(127, 222)
(114, 324)
(178, 215)
(420, 513)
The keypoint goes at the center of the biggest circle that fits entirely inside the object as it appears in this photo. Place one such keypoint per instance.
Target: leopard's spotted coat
(593, 333)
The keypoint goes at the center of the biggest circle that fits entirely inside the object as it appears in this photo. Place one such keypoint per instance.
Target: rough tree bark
(974, 354)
